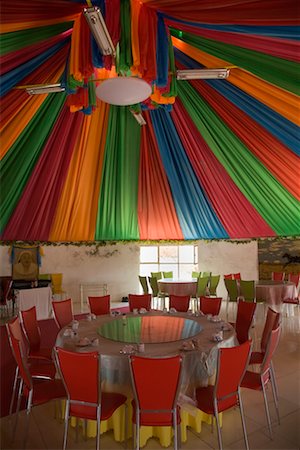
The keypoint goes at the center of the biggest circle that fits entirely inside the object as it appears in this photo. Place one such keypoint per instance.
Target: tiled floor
(45, 432)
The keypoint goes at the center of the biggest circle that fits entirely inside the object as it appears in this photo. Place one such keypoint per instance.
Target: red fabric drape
(147, 43)
(157, 216)
(238, 216)
(33, 216)
(15, 99)
(243, 12)
(14, 59)
(277, 158)
(281, 48)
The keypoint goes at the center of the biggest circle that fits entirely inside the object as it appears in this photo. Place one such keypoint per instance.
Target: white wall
(118, 265)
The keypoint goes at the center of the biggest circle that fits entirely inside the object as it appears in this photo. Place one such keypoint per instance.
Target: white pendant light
(123, 90)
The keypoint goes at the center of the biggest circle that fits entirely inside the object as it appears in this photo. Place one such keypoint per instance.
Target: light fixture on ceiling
(99, 30)
(202, 74)
(138, 117)
(45, 89)
(123, 91)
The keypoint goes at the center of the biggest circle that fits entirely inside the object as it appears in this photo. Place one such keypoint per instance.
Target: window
(180, 259)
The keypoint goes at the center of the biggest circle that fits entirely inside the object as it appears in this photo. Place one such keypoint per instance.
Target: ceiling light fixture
(45, 89)
(138, 117)
(202, 74)
(123, 91)
(100, 32)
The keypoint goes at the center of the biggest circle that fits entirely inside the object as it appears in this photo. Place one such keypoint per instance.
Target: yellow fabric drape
(281, 101)
(17, 26)
(74, 55)
(75, 218)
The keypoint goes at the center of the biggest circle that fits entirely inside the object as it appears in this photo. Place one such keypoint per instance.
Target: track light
(202, 74)
(45, 89)
(100, 32)
(138, 117)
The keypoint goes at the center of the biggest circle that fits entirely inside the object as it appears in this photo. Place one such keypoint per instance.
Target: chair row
(155, 394)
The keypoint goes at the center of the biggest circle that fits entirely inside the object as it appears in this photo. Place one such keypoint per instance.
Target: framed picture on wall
(25, 263)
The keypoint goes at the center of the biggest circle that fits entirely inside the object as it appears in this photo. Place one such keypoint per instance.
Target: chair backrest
(236, 276)
(272, 322)
(244, 318)
(213, 284)
(228, 276)
(272, 345)
(45, 276)
(154, 286)
(206, 274)
(210, 305)
(247, 290)
(31, 328)
(179, 302)
(157, 275)
(168, 274)
(232, 289)
(153, 390)
(6, 288)
(80, 373)
(144, 284)
(139, 301)
(231, 367)
(202, 286)
(63, 313)
(13, 329)
(99, 305)
(196, 274)
(278, 276)
(294, 278)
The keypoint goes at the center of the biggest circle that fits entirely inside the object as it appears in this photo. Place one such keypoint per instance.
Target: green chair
(196, 274)
(155, 292)
(206, 274)
(202, 286)
(144, 284)
(157, 275)
(232, 293)
(168, 274)
(213, 284)
(247, 290)
(45, 276)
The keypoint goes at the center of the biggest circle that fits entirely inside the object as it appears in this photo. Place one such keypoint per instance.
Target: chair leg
(267, 409)
(175, 430)
(98, 428)
(137, 430)
(273, 380)
(13, 395)
(126, 425)
(66, 425)
(275, 397)
(243, 420)
(216, 414)
(28, 410)
(17, 409)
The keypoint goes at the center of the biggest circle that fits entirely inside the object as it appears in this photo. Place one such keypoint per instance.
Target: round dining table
(274, 292)
(152, 334)
(176, 286)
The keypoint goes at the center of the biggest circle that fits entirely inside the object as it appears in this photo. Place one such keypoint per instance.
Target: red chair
(293, 278)
(179, 302)
(258, 381)
(138, 301)
(225, 394)
(272, 322)
(210, 305)
(233, 276)
(6, 293)
(228, 276)
(156, 383)
(35, 390)
(244, 318)
(33, 335)
(81, 376)
(99, 305)
(63, 312)
(37, 368)
(278, 276)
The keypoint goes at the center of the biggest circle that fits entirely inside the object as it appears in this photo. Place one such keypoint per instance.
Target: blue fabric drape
(162, 53)
(12, 78)
(195, 213)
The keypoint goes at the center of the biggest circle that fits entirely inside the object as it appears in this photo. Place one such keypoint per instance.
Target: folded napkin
(218, 337)
(127, 350)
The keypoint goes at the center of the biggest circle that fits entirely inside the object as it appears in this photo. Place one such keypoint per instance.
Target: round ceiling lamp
(123, 90)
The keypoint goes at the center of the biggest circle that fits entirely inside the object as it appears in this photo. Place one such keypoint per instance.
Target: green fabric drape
(278, 71)
(275, 204)
(11, 42)
(125, 55)
(117, 209)
(20, 160)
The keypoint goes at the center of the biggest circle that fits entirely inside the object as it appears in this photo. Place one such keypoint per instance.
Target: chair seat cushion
(41, 353)
(110, 401)
(251, 380)
(256, 358)
(155, 419)
(42, 369)
(205, 400)
(45, 391)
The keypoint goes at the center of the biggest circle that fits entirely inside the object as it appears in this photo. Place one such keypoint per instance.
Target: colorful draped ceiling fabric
(217, 158)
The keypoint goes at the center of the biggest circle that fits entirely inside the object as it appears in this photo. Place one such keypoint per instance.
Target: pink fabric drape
(238, 216)
(33, 216)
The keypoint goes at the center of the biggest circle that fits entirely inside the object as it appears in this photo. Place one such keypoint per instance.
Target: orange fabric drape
(75, 218)
(157, 216)
(135, 46)
(283, 102)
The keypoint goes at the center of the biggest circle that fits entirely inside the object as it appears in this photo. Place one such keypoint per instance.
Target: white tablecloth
(274, 292)
(39, 297)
